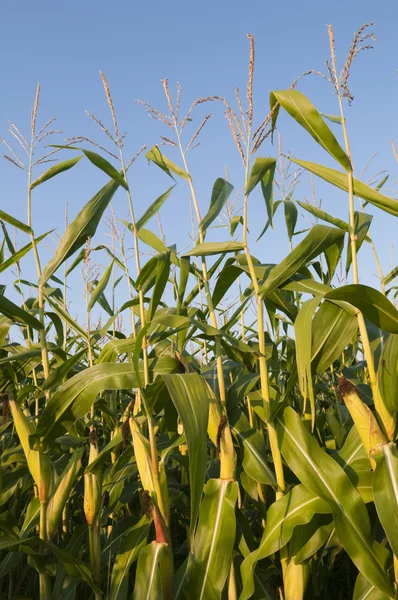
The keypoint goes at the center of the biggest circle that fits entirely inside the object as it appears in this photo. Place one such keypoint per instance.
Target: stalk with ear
(173, 121)
(340, 83)
(262, 172)
(301, 109)
(39, 461)
(117, 138)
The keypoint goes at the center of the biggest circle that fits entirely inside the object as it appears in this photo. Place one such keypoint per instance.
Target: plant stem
(44, 578)
(228, 460)
(42, 333)
(95, 554)
(387, 419)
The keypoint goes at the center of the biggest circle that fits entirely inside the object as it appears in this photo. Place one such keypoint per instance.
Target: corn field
(228, 429)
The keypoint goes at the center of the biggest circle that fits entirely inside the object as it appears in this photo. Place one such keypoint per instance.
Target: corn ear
(296, 580)
(63, 489)
(365, 421)
(39, 463)
(92, 486)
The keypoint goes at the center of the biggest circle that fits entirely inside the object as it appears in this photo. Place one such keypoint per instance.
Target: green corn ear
(365, 421)
(62, 491)
(92, 485)
(39, 463)
(295, 580)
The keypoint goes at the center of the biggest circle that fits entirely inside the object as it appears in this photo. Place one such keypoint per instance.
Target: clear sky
(203, 45)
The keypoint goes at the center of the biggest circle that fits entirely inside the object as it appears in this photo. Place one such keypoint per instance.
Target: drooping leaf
(210, 560)
(385, 492)
(259, 170)
(290, 217)
(17, 314)
(155, 155)
(254, 460)
(387, 373)
(191, 395)
(100, 162)
(325, 478)
(74, 398)
(14, 222)
(221, 191)
(305, 113)
(340, 180)
(316, 241)
(372, 303)
(127, 554)
(296, 508)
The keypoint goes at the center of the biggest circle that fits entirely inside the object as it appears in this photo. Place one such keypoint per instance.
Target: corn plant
(236, 439)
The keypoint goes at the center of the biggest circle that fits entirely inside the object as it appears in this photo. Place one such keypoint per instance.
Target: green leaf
(333, 329)
(392, 275)
(303, 335)
(210, 248)
(128, 552)
(227, 276)
(165, 164)
(161, 279)
(62, 491)
(74, 398)
(321, 214)
(361, 227)
(234, 223)
(210, 561)
(220, 194)
(153, 209)
(385, 492)
(15, 222)
(17, 314)
(376, 307)
(361, 190)
(58, 168)
(387, 373)
(191, 395)
(305, 113)
(274, 208)
(267, 188)
(16, 257)
(324, 477)
(254, 461)
(261, 167)
(148, 579)
(148, 237)
(100, 287)
(64, 315)
(318, 239)
(83, 227)
(333, 118)
(184, 276)
(296, 508)
(100, 162)
(290, 217)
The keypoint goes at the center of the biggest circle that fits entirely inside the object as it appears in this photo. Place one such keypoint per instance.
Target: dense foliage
(201, 452)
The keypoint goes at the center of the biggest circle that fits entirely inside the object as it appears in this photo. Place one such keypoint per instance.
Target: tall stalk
(386, 417)
(341, 88)
(227, 458)
(42, 333)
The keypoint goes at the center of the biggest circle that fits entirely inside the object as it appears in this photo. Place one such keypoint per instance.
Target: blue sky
(204, 47)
